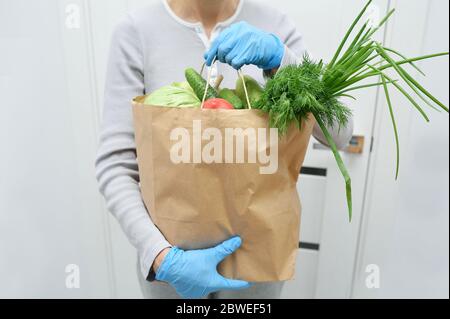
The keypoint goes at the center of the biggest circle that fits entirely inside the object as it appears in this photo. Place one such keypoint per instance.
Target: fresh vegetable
(175, 95)
(296, 91)
(316, 87)
(254, 90)
(198, 84)
(218, 82)
(231, 97)
(217, 103)
(184, 86)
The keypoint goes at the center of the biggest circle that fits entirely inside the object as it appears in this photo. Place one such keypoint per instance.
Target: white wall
(50, 212)
(406, 226)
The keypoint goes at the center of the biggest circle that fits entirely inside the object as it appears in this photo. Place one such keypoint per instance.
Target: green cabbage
(175, 95)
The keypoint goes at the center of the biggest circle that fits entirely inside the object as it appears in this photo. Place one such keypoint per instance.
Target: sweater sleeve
(116, 163)
(294, 52)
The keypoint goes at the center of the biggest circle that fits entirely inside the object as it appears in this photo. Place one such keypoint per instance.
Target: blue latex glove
(242, 44)
(194, 274)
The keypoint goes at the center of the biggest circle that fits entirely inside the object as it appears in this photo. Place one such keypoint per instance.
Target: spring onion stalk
(341, 165)
(341, 46)
(394, 124)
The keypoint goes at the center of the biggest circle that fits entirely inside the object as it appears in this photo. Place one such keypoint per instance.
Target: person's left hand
(242, 44)
(193, 273)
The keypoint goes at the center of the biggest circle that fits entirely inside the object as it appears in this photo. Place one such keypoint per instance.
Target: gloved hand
(194, 274)
(242, 44)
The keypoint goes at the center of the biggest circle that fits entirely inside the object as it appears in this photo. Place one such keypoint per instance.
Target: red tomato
(216, 104)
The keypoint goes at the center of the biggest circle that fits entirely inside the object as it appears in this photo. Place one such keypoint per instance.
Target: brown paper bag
(197, 204)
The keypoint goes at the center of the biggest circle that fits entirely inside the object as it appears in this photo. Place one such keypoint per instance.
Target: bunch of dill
(298, 90)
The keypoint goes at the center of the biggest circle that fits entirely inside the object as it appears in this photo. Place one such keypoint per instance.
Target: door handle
(356, 145)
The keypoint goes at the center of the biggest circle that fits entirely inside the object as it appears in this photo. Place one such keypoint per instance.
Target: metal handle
(356, 145)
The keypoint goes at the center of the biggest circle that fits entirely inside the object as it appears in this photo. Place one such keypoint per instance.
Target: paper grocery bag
(205, 176)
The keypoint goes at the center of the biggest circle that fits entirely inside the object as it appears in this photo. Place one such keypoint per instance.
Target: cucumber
(229, 95)
(198, 84)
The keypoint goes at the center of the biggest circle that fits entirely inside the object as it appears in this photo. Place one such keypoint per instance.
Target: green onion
(341, 46)
(394, 124)
(341, 165)
(315, 88)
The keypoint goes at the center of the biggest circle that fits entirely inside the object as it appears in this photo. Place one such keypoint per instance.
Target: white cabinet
(304, 284)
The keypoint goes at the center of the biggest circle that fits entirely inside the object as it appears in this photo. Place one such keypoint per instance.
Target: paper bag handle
(240, 74)
(208, 79)
(245, 88)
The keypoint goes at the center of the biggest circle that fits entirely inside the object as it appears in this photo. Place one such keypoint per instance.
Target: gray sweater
(151, 48)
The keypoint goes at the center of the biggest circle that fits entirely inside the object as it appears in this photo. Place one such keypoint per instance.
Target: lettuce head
(174, 95)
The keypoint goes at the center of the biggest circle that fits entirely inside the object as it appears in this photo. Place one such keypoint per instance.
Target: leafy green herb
(298, 90)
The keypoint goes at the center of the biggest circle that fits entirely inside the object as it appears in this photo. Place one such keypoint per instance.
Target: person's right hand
(194, 274)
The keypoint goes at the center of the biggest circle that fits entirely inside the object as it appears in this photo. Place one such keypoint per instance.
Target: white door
(405, 231)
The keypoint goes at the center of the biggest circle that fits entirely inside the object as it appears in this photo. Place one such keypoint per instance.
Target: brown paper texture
(199, 205)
